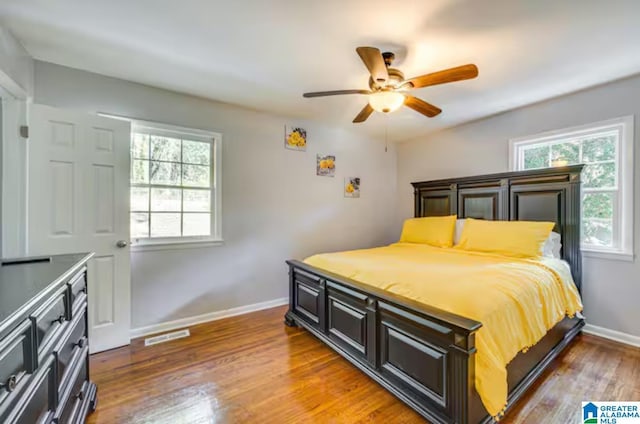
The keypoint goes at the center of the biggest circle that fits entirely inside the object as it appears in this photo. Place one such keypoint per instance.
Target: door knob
(122, 243)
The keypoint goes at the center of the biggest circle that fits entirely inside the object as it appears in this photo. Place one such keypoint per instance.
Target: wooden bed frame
(423, 355)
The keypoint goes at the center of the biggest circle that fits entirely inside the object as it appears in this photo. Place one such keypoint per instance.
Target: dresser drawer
(77, 287)
(37, 401)
(74, 394)
(49, 320)
(15, 359)
(68, 411)
(70, 346)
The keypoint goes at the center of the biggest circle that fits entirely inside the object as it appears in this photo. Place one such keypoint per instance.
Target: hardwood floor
(275, 374)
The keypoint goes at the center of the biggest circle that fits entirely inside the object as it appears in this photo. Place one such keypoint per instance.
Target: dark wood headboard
(551, 194)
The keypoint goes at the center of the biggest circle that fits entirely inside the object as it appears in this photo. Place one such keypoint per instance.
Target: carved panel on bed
(410, 353)
(347, 318)
(479, 203)
(438, 201)
(539, 203)
(308, 292)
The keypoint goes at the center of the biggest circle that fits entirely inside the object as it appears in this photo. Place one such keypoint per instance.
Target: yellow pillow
(522, 239)
(434, 230)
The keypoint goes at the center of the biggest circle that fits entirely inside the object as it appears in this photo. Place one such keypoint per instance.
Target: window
(174, 175)
(606, 149)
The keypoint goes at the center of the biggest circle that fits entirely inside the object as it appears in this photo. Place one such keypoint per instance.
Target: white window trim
(625, 158)
(173, 243)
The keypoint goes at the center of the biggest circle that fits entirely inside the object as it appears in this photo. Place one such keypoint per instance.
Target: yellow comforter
(516, 300)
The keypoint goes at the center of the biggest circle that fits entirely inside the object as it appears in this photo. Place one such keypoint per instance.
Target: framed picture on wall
(325, 165)
(352, 187)
(295, 138)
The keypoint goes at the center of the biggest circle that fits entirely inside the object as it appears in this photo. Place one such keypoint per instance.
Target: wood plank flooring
(275, 374)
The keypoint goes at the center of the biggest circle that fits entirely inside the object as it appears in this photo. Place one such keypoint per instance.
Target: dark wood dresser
(44, 346)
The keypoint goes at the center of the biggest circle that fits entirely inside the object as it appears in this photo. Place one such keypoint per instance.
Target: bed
(425, 355)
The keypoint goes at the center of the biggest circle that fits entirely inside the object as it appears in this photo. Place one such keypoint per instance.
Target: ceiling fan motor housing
(396, 77)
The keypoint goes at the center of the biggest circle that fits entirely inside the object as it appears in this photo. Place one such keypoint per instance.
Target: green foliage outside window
(599, 178)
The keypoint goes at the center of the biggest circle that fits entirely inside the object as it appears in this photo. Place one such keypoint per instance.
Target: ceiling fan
(388, 88)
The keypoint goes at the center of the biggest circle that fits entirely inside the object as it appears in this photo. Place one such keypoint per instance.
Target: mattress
(516, 300)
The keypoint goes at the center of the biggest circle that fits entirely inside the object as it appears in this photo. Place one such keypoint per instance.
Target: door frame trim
(15, 113)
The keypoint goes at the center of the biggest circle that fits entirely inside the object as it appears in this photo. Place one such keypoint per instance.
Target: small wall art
(325, 165)
(295, 138)
(352, 187)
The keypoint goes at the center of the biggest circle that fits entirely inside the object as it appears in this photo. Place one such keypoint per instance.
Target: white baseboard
(617, 336)
(199, 319)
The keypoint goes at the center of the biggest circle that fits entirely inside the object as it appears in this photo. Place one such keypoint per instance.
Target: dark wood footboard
(423, 355)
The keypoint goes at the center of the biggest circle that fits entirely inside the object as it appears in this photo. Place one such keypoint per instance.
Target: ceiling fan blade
(374, 62)
(364, 114)
(442, 77)
(335, 93)
(421, 106)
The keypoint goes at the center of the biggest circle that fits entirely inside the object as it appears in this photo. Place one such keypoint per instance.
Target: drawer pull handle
(61, 319)
(10, 385)
(81, 343)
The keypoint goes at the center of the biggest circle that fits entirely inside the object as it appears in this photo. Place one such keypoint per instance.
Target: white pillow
(550, 248)
(458, 232)
(552, 245)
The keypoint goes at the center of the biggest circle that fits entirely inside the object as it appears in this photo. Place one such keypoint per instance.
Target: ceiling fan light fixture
(388, 89)
(386, 101)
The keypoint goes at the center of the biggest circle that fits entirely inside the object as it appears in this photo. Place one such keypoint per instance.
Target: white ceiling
(265, 54)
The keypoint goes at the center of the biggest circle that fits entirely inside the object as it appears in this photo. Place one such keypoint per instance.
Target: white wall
(611, 289)
(16, 65)
(274, 206)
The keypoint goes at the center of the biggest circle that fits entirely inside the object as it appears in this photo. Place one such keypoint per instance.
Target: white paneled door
(79, 202)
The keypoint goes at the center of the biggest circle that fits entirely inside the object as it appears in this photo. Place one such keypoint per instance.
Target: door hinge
(24, 131)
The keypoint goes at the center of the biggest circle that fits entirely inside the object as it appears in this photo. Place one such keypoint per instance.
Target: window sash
(186, 135)
(622, 129)
(615, 216)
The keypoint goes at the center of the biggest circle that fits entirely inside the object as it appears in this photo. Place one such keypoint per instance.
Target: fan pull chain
(386, 132)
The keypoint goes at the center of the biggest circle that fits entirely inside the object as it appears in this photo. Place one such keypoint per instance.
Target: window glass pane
(140, 146)
(165, 148)
(569, 152)
(536, 157)
(600, 175)
(599, 148)
(165, 224)
(598, 205)
(165, 173)
(196, 152)
(161, 167)
(597, 232)
(197, 200)
(139, 225)
(195, 175)
(166, 199)
(139, 199)
(139, 171)
(197, 224)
